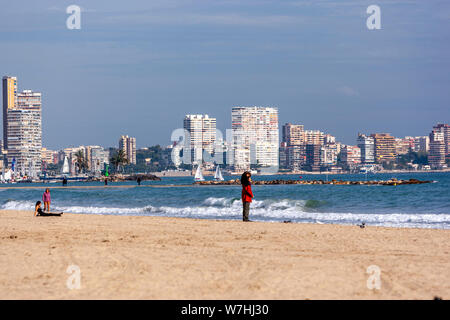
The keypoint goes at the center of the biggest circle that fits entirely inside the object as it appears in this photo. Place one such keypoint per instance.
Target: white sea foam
(268, 210)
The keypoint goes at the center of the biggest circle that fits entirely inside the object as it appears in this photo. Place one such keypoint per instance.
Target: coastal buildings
(350, 156)
(49, 156)
(436, 157)
(404, 145)
(22, 121)
(254, 137)
(97, 158)
(329, 155)
(445, 130)
(313, 157)
(293, 147)
(202, 136)
(366, 144)
(9, 86)
(307, 149)
(384, 147)
(314, 137)
(422, 144)
(128, 145)
(293, 134)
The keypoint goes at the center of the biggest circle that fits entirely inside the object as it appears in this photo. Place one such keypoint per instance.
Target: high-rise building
(98, 157)
(9, 102)
(294, 147)
(255, 138)
(328, 154)
(293, 134)
(128, 145)
(436, 156)
(314, 137)
(367, 146)
(351, 156)
(313, 157)
(445, 130)
(384, 147)
(49, 156)
(24, 133)
(202, 131)
(422, 144)
(329, 139)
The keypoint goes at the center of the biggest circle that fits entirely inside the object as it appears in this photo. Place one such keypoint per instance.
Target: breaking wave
(304, 211)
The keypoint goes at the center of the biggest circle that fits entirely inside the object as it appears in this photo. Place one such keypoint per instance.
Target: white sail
(65, 168)
(218, 175)
(7, 176)
(199, 175)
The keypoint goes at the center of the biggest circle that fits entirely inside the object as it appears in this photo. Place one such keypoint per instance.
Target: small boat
(218, 175)
(65, 168)
(199, 175)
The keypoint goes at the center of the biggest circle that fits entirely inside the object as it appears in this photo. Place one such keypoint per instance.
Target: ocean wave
(261, 210)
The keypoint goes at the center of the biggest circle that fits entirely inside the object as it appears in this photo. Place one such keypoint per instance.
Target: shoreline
(287, 221)
(147, 257)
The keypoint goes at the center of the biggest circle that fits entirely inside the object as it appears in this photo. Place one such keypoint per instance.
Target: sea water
(421, 206)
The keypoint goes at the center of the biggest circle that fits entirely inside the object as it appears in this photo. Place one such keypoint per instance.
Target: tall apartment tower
(367, 146)
(255, 137)
(202, 131)
(22, 128)
(128, 145)
(436, 157)
(293, 134)
(9, 102)
(445, 130)
(384, 147)
(293, 151)
(422, 144)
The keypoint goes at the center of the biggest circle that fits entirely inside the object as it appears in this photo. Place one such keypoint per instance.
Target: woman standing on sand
(247, 194)
(46, 199)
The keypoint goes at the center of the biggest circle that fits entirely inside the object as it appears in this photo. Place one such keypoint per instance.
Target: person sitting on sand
(247, 194)
(39, 212)
(46, 199)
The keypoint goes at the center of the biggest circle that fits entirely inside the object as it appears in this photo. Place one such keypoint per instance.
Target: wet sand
(130, 257)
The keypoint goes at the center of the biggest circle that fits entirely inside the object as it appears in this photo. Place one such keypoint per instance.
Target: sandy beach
(132, 257)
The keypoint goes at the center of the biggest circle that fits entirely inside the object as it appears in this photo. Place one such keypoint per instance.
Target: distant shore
(211, 173)
(135, 257)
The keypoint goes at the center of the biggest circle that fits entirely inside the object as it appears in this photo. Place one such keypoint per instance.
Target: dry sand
(168, 258)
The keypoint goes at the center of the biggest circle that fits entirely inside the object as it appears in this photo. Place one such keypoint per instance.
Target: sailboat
(218, 175)
(199, 175)
(65, 167)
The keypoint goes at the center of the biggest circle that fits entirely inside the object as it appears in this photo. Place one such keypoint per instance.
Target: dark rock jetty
(391, 182)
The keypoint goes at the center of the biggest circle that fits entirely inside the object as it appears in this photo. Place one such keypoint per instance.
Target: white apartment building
(202, 135)
(328, 155)
(367, 146)
(24, 133)
(255, 137)
(422, 144)
(351, 155)
(128, 145)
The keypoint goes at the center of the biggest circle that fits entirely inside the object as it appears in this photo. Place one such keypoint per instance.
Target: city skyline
(10, 85)
(317, 62)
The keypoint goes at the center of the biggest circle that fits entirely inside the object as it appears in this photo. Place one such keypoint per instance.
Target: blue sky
(137, 67)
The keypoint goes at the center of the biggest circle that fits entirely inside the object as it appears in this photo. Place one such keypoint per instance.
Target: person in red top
(247, 194)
